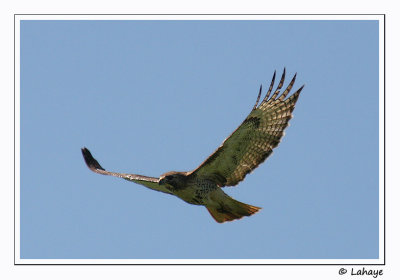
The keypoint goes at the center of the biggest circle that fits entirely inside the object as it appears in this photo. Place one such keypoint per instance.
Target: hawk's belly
(197, 191)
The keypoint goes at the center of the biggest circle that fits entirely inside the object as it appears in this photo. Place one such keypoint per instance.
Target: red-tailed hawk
(248, 146)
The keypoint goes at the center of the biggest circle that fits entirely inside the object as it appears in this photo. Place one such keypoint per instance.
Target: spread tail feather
(231, 209)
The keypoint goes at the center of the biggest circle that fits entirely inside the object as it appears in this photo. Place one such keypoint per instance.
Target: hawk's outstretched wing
(149, 182)
(252, 142)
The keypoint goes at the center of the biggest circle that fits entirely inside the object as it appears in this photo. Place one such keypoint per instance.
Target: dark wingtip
(273, 78)
(89, 160)
(258, 99)
(297, 93)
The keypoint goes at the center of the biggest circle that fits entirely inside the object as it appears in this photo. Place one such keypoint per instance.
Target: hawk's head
(177, 180)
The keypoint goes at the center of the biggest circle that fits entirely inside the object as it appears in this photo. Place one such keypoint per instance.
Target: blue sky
(148, 97)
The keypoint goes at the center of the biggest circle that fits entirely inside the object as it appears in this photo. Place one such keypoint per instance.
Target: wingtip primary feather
(258, 98)
(270, 88)
(301, 88)
(288, 89)
(296, 95)
(89, 160)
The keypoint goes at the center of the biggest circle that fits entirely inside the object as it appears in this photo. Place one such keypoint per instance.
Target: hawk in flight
(248, 146)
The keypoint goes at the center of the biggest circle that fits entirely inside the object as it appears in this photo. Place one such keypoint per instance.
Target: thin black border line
(384, 138)
(199, 14)
(239, 264)
(14, 142)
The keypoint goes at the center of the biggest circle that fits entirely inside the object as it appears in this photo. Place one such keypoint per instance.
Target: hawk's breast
(197, 191)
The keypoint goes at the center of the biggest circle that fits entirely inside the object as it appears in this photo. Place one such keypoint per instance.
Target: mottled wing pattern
(149, 182)
(252, 142)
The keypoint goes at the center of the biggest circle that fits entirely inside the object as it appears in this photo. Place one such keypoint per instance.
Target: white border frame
(379, 261)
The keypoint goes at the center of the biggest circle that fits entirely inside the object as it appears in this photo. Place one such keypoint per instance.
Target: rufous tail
(230, 209)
